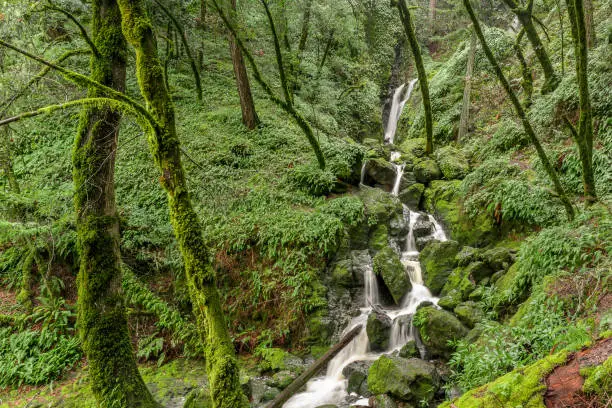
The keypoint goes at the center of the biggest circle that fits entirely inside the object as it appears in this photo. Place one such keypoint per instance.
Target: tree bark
(588, 23)
(527, 81)
(247, 105)
(521, 113)
(305, 26)
(103, 329)
(467, 90)
(221, 365)
(328, 45)
(422, 75)
(584, 136)
(432, 16)
(313, 369)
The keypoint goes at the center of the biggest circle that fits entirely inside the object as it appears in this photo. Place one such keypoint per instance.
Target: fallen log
(313, 369)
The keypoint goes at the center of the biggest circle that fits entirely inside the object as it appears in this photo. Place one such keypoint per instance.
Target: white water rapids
(397, 105)
(332, 388)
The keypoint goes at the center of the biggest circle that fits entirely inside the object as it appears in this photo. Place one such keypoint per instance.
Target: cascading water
(331, 388)
(397, 105)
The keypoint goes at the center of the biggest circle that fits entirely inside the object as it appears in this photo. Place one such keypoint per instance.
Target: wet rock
(378, 329)
(282, 379)
(360, 262)
(399, 226)
(388, 265)
(382, 401)
(469, 313)
(426, 170)
(356, 374)
(276, 359)
(379, 206)
(452, 162)
(437, 263)
(423, 227)
(467, 255)
(422, 242)
(411, 196)
(198, 398)
(407, 180)
(342, 273)
(436, 328)
(409, 350)
(415, 147)
(477, 294)
(379, 238)
(411, 380)
(259, 391)
(380, 172)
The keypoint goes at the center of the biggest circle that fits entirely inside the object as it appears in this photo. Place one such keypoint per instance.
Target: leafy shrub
(35, 358)
(312, 179)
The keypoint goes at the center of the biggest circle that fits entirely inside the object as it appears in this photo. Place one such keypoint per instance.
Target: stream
(332, 387)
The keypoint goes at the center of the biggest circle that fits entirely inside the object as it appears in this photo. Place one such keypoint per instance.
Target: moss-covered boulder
(437, 262)
(442, 198)
(388, 265)
(341, 273)
(411, 380)
(458, 284)
(198, 398)
(379, 206)
(452, 162)
(378, 328)
(469, 313)
(436, 328)
(422, 227)
(523, 387)
(276, 359)
(384, 401)
(499, 258)
(415, 147)
(426, 170)
(380, 172)
(411, 196)
(450, 300)
(479, 270)
(409, 350)
(356, 374)
(379, 238)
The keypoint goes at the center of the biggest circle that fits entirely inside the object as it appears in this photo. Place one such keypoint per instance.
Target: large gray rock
(378, 329)
(380, 172)
(356, 374)
(412, 380)
(411, 196)
(423, 227)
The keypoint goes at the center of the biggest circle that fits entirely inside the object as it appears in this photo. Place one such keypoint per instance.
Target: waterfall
(397, 105)
(371, 288)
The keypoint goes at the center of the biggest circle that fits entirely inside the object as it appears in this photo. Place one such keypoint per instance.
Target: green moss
(426, 170)
(379, 206)
(598, 380)
(438, 330)
(458, 285)
(411, 196)
(437, 261)
(452, 162)
(412, 380)
(379, 238)
(388, 265)
(522, 387)
(415, 147)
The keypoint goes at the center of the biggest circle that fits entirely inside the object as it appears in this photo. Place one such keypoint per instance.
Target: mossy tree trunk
(524, 14)
(247, 105)
(305, 26)
(221, 364)
(584, 135)
(422, 75)
(527, 81)
(521, 113)
(102, 317)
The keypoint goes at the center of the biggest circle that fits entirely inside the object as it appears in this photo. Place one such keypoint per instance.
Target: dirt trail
(564, 384)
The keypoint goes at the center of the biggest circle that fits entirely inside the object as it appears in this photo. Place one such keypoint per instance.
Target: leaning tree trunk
(521, 113)
(527, 81)
(305, 26)
(432, 16)
(422, 75)
(467, 90)
(102, 320)
(584, 136)
(221, 365)
(247, 105)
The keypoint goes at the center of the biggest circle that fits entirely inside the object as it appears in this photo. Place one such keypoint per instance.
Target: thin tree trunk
(521, 113)
(249, 114)
(202, 17)
(422, 75)
(562, 35)
(467, 89)
(527, 81)
(551, 80)
(328, 45)
(432, 16)
(305, 26)
(221, 364)
(588, 23)
(584, 136)
(6, 161)
(102, 321)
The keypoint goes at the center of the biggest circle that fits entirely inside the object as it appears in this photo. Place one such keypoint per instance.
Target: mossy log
(313, 369)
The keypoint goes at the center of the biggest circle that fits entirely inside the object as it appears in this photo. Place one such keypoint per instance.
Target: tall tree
(467, 90)
(286, 102)
(584, 136)
(247, 105)
(221, 364)
(305, 26)
(422, 75)
(527, 81)
(521, 113)
(102, 317)
(524, 13)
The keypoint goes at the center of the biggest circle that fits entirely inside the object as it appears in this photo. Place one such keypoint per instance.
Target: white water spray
(397, 105)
